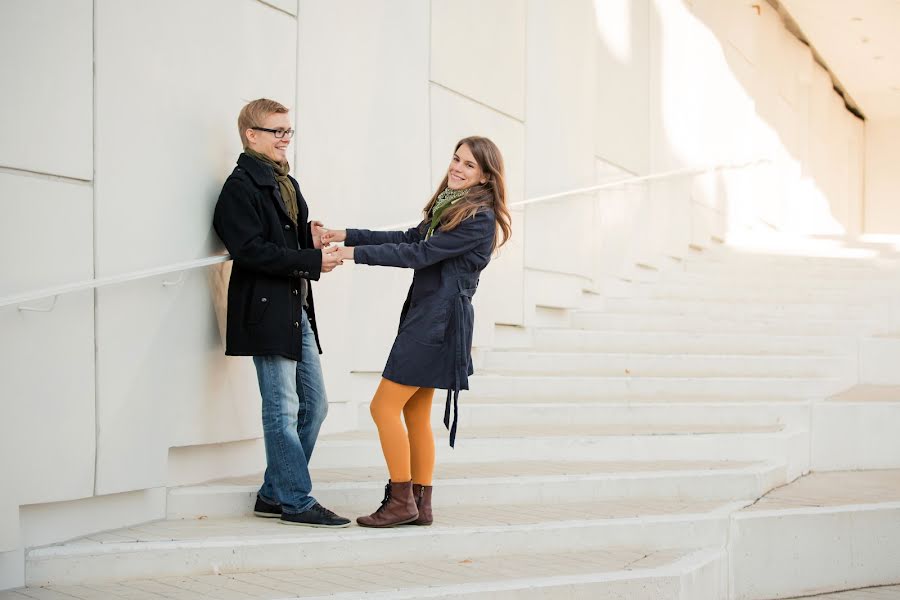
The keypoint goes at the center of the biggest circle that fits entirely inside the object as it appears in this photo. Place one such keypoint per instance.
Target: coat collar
(262, 174)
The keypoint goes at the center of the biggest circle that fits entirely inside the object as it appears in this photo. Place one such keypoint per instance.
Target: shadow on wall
(726, 83)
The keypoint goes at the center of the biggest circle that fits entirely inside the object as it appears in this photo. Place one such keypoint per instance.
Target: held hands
(317, 229)
(333, 235)
(331, 257)
(345, 252)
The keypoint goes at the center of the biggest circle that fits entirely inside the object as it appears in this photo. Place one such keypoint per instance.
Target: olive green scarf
(288, 192)
(445, 199)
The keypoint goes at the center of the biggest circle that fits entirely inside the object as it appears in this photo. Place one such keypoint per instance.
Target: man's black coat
(271, 257)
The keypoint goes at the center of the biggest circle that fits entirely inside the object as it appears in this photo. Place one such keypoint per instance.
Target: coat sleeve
(467, 236)
(365, 237)
(240, 227)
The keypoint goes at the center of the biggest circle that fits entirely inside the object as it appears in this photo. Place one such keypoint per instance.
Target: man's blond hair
(253, 114)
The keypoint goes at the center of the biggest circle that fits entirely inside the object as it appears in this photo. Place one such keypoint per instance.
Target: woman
(448, 251)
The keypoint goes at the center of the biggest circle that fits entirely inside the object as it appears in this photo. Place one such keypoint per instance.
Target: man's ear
(250, 134)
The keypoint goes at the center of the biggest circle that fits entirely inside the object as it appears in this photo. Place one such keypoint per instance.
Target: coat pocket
(260, 300)
(427, 320)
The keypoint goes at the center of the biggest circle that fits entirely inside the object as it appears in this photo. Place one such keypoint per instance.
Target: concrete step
(185, 548)
(664, 365)
(573, 340)
(881, 592)
(569, 387)
(682, 412)
(614, 573)
(795, 292)
(510, 482)
(642, 442)
(741, 309)
(592, 320)
(809, 269)
(857, 429)
(824, 532)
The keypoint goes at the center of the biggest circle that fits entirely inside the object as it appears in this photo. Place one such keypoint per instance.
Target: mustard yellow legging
(408, 451)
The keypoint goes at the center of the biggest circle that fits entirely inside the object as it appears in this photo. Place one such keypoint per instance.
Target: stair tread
(249, 530)
(406, 576)
(518, 469)
(578, 430)
(636, 400)
(833, 489)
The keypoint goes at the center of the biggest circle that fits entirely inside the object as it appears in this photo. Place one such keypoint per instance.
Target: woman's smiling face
(464, 171)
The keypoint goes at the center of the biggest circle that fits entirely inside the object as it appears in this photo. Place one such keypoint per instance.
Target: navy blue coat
(433, 347)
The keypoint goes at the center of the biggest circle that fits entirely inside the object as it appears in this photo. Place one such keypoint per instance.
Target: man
(261, 217)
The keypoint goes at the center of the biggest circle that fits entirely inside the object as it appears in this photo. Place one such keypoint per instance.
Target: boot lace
(386, 500)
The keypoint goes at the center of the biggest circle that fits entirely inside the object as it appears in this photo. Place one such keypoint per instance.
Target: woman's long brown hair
(491, 194)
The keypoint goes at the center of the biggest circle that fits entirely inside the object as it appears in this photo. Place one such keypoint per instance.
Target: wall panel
(478, 50)
(48, 89)
(168, 94)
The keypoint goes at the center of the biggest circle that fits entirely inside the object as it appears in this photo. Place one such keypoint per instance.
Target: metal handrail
(78, 286)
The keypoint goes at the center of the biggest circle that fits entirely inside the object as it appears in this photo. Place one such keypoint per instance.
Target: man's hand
(318, 229)
(331, 257)
(333, 235)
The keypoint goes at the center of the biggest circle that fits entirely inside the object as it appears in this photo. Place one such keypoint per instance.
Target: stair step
(661, 365)
(576, 386)
(589, 320)
(649, 342)
(640, 442)
(849, 521)
(633, 573)
(210, 546)
(788, 292)
(561, 413)
(508, 482)
(738, 308)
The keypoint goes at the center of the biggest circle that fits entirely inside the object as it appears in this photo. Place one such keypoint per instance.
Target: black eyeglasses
(279, 133)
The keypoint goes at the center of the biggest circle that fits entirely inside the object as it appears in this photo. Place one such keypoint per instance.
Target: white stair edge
(661, 583)
(75, 564)
(729, 484)
(791, 552)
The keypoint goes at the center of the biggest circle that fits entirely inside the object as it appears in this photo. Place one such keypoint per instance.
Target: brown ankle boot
(397, 508)
(422, 494)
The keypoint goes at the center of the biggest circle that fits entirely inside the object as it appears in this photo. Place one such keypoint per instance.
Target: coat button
(287, 226)
(306, 273)
(296, 292)
(296, 324)
(297, 273)
(264, 299)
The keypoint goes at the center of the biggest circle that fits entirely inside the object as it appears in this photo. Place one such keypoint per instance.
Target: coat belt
(461, 356)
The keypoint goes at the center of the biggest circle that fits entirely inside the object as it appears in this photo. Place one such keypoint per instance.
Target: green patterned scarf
(288, 193)
(445, 199)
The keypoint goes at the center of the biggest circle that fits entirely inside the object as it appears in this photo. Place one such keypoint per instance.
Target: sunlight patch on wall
(614, 27)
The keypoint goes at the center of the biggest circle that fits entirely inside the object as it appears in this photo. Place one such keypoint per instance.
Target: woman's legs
(386, 407)
(417, 414)
(391, 399)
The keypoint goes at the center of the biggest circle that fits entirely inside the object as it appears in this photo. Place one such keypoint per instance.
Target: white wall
(118, 393)
(882, 180)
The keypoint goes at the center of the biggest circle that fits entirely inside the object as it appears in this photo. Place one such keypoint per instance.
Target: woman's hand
(345, 252)
(333, 235)
(318, 229)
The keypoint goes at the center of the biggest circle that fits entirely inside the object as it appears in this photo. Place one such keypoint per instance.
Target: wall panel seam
(479, 102)
(276, 8)
(42, 175)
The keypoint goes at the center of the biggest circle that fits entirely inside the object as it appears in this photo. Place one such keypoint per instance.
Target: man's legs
(310, 391)
(286, 482)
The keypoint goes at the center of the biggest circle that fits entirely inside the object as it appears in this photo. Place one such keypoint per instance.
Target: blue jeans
(293, 408)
